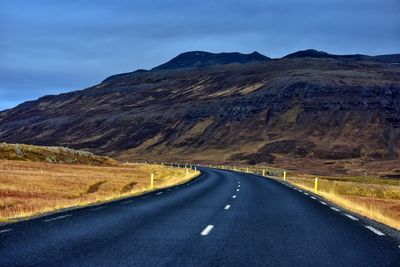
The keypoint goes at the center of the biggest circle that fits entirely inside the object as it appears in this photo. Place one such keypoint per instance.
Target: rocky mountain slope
(339, 111)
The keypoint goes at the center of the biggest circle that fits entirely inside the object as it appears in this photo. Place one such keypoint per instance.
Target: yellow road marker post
(284, 175)
(152, 181)
(316, 185)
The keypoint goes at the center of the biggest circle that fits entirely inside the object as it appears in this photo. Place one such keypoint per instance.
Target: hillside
(200, 59)
(51, 155)
(340, 113)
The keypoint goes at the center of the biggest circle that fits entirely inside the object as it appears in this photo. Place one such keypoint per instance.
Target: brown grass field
(33, 188)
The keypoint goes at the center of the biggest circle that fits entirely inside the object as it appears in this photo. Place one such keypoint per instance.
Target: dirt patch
(129, 187)
(94, 187)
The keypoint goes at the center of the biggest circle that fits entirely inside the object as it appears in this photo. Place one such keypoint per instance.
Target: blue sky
(49, 47)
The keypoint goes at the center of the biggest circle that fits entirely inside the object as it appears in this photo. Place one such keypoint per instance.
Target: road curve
(222, 218)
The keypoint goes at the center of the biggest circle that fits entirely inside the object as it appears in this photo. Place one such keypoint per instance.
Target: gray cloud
(51, 46)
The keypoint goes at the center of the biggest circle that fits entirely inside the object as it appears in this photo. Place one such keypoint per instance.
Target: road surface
(222, 218)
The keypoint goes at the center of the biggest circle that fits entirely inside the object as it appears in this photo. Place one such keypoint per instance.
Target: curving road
(222, 218)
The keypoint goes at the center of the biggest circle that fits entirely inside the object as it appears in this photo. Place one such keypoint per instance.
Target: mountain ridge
(201, 59)
(305, 109)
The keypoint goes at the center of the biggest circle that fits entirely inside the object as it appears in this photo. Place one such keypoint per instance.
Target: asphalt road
(220, 219)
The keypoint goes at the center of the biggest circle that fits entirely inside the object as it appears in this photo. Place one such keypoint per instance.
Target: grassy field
(32, 188)
(373, 197)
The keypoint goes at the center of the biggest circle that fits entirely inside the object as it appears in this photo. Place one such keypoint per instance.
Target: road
(222, 218)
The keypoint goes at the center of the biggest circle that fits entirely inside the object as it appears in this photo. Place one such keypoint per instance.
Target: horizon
(56, 47)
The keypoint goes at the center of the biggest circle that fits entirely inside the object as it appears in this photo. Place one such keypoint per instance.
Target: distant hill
(200, 59)
(51, 155)
(309, 107)
(395, 58)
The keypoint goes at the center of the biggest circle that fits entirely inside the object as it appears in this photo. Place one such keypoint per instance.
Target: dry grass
(32, 188)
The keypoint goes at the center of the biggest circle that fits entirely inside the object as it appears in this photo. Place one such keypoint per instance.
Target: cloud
(51, 46)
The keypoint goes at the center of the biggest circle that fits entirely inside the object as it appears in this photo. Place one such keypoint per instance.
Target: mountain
(200, 59)
(310, 53)
(395, 58)
(333, 114)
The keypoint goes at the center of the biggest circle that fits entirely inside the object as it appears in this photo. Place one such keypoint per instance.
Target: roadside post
(152, 181)
(316, 185)
(284, 175)
(263, 172)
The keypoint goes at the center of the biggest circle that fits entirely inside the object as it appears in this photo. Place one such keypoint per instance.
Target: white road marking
(5, 231)
(238, 185)
(323, 203)
(237, 190)
(58, 218)
(374, 230)
(306, 194)
(335, 209)
(207, 230)
(98, 208)
(126, 202)
(234, 196)
(351, 217)
(313, 197)
(169, 189)
(159, 193)
(227, 207)
(145, 197)
(300, 190)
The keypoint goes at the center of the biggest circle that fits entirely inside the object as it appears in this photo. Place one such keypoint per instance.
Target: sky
(50, 47)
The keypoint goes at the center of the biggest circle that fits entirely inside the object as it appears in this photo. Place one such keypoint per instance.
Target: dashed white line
(5, 231)
(98, 208)
(207, 230)
(335, 209)
(227, 207)
(169, 189)
(374, 230)
(351, 217)
(126, 202)
(323, 203)
(237, 190)
(313, 197)
(234, 196)
(306, 194)
(159, 193)
(57, 218)
(238, 185)
(300, 190)
(145, 197)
